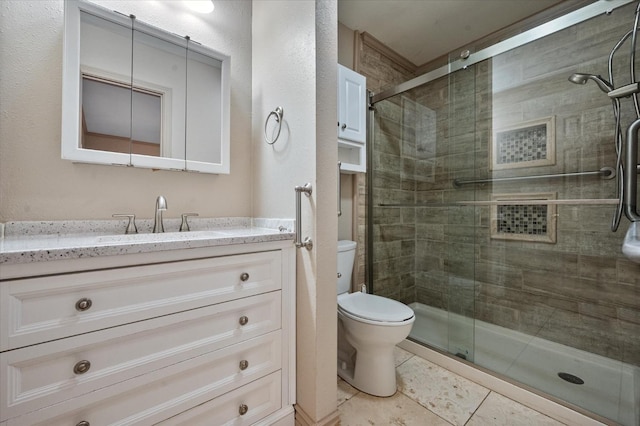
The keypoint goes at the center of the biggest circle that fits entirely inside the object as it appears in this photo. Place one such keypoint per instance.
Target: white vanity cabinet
(201, 337)
(352, 122)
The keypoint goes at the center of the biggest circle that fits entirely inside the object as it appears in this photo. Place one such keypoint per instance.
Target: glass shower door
(459, 155)
(423, 238)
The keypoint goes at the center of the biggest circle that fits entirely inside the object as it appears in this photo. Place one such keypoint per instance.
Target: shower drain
(571, 378)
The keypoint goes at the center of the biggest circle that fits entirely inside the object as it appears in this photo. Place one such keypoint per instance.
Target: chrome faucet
(161, 205)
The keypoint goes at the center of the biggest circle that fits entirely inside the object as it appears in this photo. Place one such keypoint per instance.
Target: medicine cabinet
(136, 95)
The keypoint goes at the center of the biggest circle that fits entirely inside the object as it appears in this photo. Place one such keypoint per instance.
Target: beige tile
(452, 397)
(345, 391)
(367, 410)
(400, 355)
(498, 410)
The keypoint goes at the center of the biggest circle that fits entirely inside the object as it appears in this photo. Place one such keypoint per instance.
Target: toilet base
(366, 347)
(373, 373)
(375, 376)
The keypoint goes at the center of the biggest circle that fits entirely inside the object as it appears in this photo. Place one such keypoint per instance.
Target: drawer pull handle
(244, 364)
(82, 367)
(243, 409)
(244, 276)
(83, 304)
(83, 423)
(243, 320)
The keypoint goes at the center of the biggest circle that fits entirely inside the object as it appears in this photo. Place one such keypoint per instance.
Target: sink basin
(631, 244)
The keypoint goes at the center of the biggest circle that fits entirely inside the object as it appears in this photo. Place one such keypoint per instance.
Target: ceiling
(423, 30)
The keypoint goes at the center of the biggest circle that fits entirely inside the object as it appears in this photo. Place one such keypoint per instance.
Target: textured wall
(294, 66)
(35, 184)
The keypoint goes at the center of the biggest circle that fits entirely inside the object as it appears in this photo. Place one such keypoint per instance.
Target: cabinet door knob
(244, 276)
(344, 126)
(83, 423)
(83, 304)
(81, 367)
(243, 409)
(243, 320)
(244, 364)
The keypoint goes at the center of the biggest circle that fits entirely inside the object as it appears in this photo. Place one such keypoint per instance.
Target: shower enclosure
(491, 188)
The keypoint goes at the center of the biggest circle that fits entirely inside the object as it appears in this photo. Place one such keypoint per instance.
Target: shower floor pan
(610, 388)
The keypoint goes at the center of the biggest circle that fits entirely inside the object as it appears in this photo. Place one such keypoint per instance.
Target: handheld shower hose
(631, 89)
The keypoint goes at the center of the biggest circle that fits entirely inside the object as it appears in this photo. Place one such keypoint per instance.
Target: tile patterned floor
(430, 395)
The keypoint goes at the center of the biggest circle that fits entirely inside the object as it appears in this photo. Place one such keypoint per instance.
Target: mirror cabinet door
(97, 90)
(205, 116)
(137, 95)
(159, 71)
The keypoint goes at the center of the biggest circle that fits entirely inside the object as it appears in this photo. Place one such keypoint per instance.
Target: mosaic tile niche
(527, 144)
(523, 217)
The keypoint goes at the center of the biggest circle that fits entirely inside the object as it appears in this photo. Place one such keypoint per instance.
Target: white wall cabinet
(352, 120)
(205, 339)
(352, 102)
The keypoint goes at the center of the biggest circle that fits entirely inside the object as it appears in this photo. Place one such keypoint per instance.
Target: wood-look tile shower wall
(579, 291)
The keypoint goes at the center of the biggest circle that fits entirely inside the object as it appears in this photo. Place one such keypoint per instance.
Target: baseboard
(282, 417)
(303, 419)
(517, 392)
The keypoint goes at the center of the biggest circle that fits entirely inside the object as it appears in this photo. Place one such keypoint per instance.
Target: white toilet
(369, 327)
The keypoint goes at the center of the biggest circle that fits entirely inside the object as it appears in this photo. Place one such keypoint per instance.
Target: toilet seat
(372, 308)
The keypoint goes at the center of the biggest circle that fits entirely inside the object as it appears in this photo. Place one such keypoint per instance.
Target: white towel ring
(278, 113)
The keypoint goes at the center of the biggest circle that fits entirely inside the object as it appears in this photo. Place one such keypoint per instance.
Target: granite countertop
(26, 242)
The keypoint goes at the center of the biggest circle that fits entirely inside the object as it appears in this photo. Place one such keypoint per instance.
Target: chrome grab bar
(605, 172)
(307, 243)
(339, 189)
(631, 179)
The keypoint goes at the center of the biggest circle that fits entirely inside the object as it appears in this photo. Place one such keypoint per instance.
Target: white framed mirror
(136, 95)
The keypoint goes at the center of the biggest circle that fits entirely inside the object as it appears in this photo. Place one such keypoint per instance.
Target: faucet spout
(161, 205)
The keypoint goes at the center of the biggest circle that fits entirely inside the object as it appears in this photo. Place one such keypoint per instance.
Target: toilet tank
(346, 257)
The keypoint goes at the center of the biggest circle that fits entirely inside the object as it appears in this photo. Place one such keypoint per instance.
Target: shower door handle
(630, 173)
(307, 243)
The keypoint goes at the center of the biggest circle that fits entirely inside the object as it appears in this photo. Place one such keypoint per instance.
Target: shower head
(603, 84)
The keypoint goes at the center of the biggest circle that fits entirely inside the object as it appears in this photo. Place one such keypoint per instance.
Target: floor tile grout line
(426, 408)
(420, 404)
(412, 356)
(478, 407)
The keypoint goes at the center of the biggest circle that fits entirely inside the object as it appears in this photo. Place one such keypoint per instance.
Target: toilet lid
(374, 308)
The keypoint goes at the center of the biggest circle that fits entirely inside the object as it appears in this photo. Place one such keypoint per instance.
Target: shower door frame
(591, 11)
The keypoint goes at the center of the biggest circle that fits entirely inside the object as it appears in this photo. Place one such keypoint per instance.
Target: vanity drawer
(41, 309)
(257, 400)
(51, 372)
(168, 391)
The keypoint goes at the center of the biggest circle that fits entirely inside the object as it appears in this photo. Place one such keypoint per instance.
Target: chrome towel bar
(307, 243)
(339, 189)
